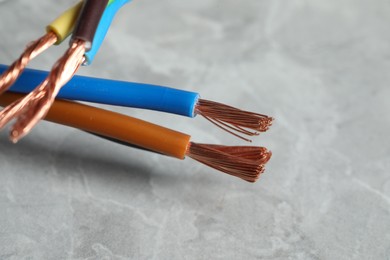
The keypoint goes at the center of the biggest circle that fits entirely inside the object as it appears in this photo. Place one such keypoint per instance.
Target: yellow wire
(64, 24)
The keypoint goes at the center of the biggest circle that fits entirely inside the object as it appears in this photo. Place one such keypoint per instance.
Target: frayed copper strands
(32, 50)
(33, 107)
(245, 162)
(233, 120)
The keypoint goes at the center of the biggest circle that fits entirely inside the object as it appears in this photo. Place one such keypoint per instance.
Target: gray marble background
(321, 68)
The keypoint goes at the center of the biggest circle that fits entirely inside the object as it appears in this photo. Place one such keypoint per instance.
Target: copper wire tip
(233, 120)
(245, 162)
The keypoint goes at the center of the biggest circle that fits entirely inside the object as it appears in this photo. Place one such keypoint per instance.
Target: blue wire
(104, 25)
(112, 92)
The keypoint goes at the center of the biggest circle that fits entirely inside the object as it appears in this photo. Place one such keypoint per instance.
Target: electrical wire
(121, 93)
(113, 92)
(88, 22)
(56, 32)
(29, 110)
(245, 162)
(63, 25)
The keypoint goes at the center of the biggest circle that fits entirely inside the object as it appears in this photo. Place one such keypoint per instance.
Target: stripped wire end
(233, 120)
(245, 162)
(44, 95)
(33, 107)
(32, 50)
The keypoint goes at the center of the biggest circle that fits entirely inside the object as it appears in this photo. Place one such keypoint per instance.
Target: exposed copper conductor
(233, 120)
(245, 162)
(33, 107)
(32, 50)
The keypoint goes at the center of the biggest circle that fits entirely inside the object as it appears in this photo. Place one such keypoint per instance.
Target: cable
(57, 31)
(245, 162)
(121, 93)
(63, 25)
(29, 110)
(112, 92)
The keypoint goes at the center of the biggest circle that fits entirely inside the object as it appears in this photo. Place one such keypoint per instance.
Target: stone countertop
(321, 68)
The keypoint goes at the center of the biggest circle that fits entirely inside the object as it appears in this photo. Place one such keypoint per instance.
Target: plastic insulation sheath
(113, 125)
(88, 21)
(104, 25)
(112, 92)
(63, 25)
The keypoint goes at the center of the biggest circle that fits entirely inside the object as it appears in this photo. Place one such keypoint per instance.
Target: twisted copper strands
(32, 50)
(245, 162)
(233, 120)
(29, 110)
(33, 107)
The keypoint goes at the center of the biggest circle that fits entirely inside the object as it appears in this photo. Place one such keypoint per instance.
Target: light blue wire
(113, 92)
(104, 25)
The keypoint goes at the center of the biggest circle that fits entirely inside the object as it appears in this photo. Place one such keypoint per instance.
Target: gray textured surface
(321, 68)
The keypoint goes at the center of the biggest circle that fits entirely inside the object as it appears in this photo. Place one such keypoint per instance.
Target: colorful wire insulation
(29, 110)
(63, 25)
(56, 32)
(89, 20)
(151, 97)
(113, 92)
(246, 162)
(104, 25)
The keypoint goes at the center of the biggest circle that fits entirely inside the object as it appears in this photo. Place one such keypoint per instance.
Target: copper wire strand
(233, 120)
(41, 101)
(15, 108)
(245, 162)
(32, 108)
(32, 50)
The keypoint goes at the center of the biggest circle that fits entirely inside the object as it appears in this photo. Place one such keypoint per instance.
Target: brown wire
(88, 21)
(33, 107)
(233, 120)
(32, 50)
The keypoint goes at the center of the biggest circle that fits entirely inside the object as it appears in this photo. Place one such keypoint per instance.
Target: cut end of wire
(14, 136)
(245, 162)
(233, 120)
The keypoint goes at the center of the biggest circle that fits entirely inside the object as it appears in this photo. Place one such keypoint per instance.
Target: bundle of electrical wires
(88, 22)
